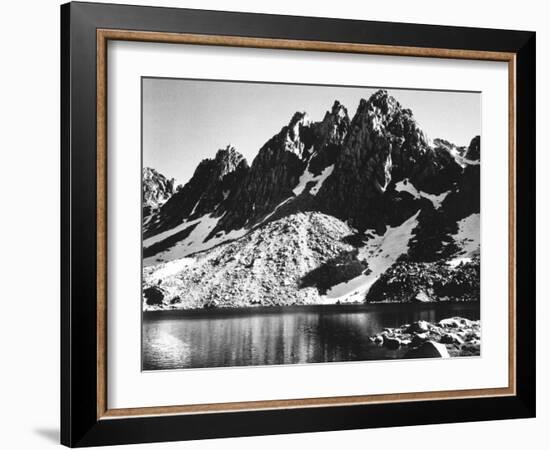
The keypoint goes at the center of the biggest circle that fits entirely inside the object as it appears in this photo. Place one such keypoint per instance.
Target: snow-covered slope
(197, 240)
(467, 239)
(380, 253)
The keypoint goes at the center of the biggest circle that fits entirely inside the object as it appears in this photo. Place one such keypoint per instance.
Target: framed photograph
(276, 224)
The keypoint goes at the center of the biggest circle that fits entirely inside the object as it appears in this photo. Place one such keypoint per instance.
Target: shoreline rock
(455, 336)
(428, 349)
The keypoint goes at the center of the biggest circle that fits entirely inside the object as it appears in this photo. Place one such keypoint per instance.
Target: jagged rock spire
(213, 184)
(156, 190)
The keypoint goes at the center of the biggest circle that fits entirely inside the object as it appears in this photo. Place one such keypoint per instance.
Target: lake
(285, 335)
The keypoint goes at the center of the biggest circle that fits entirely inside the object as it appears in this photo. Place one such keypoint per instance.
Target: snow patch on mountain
(307, 177)
(381, 253)
(467, 239)
(166, 234)
(406, 186)
(266, 218)
(171, 268)
(195, 207)
(195, 242)
(463, 162)
(460, 159)
(327, 172)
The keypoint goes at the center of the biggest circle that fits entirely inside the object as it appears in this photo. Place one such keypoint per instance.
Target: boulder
(418, 327)
(471, 349)
(451, 338)
(153, 295)
(175, 300)
(421, 297)
(429, 349)
(449, 323)
(392, 343)
(419, 339)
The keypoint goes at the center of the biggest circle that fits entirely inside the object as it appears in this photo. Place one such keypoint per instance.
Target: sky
(186, 121)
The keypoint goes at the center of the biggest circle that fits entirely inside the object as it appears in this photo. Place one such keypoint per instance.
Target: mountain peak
(149, 172)
(339, 110)
(299, 118)
(332, 130)
(380, 102)
(226, 161)
(229, 155)
(473, 152)
(338, 114)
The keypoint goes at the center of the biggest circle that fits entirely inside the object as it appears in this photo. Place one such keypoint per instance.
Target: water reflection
(175, 340)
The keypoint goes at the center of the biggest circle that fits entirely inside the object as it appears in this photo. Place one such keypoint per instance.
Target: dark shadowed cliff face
(300, 146)
(473, 152)
(213, 184)
(329, 137)
(273, 173)
(384, 145)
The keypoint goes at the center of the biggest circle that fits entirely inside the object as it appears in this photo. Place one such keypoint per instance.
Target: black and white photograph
(294, 224)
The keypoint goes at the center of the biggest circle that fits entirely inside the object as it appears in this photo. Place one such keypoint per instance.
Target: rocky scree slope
(264, 268)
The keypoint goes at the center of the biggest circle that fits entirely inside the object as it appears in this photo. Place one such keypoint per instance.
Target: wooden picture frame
(86, 418)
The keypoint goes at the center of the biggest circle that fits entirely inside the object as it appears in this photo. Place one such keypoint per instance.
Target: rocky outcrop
(408, 281)
(153, 296)
(329, 136)
(465, 198)
(272, 175)
(428, 349)
(156, 190)
(363, 170)
(449, 147)
(456, 336)
(473, 152)
(340, 269)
